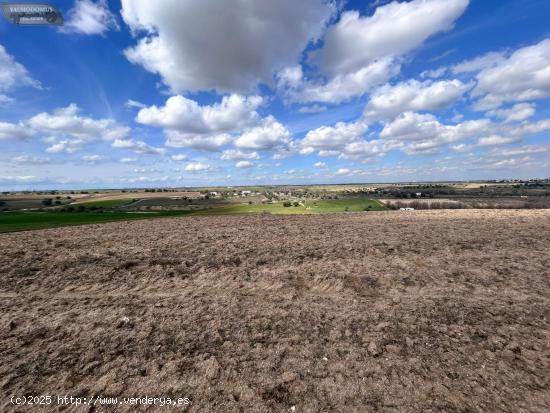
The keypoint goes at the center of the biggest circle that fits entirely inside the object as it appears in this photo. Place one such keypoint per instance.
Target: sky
(171, 93)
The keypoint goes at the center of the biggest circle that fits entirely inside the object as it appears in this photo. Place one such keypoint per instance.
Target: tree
(46, 202)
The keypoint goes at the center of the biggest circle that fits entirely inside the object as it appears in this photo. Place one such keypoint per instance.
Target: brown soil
(430, 311)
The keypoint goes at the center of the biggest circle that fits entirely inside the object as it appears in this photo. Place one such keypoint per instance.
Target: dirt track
(428, 311)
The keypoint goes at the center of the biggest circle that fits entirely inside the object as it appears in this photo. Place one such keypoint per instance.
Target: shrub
(296, 203)
(286, 204)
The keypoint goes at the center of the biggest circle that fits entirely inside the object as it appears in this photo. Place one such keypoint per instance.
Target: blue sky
(169, 93)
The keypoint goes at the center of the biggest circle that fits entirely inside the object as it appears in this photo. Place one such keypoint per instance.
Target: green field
(21, 221)
(308, 207)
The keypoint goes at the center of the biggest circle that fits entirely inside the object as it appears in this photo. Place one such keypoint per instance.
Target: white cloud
(146, 170)
(526, 128)
(179, 157)
(320, 165)
(434, 74)
(522, 76)
(30, 160)
(130, 103)
(93, 159)
(137, 146)
(335, 137)
(270, 135)
(481, 62)
(70, 131)
(68, 146)
(412, 126)
(244, 164)
(457, 117)
(197, 167)
(346, 141)
(20, 178)
(13, 75)
(394, 29)
(145, 179)
(521, 150)
(415, 126)
(368, 149)
(210, 127)
(213, 143)
(388, 101)
(249, 42)
(424, 133)
(327, 153)
(308, 150)
(5, 100)
(341, 87)
(343, 171)
(128, 160)
(496, 140)
(461, 147)
(312, 109)
(360, 53)
(233, 113)
(413, 133)
(499, 134)
(88, 17)
(235, 155)
(510, 163)
(516, 113)
(14, 131)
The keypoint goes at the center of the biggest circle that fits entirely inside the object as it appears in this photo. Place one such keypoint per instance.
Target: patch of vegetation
(22, 221)
(306, 207)
(91, 213)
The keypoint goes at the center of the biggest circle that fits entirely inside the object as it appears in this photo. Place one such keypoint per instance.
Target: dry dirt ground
(429, 311)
